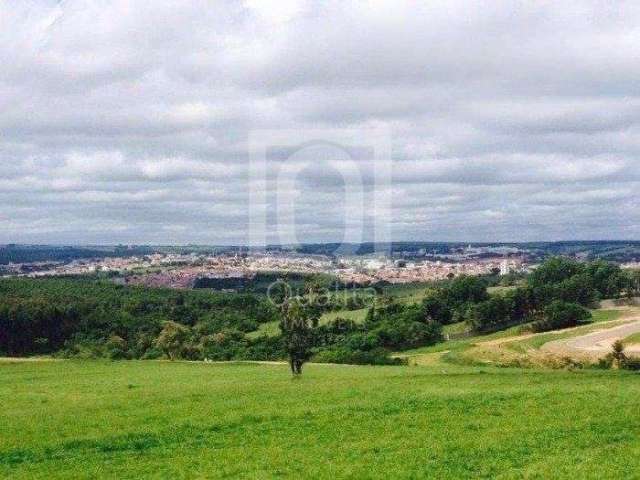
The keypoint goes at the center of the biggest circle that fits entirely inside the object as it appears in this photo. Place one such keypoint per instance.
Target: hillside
(92, 318)
(577, 347)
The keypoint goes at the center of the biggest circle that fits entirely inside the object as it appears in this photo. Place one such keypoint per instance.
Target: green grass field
(134, 419)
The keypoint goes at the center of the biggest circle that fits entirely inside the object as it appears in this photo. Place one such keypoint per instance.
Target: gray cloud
(127, 122)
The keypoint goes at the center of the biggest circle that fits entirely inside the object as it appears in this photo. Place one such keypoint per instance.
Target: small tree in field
(297, 329)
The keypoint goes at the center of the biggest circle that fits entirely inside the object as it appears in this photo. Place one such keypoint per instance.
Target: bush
(631, 363)
(116, 347)
(152, 353)
(265, 348)
(400, 333)
(605, 362)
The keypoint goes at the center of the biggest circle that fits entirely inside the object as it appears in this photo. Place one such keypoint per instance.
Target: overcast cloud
(130, 121)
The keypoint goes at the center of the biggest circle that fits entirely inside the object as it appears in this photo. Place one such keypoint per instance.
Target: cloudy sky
(166, 122)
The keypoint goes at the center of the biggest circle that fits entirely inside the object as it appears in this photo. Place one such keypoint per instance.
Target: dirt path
(596, 344)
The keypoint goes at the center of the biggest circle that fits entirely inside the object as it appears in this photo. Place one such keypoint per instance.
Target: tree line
(96, 318)
(555, 295)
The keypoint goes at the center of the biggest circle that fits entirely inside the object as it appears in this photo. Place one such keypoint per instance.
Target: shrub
(631, 363)
(265, 348)
(605, 362)
(116, 347)
(172, 339)
(152, 353)
(399, 332)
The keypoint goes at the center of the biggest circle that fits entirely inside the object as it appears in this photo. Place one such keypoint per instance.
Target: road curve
(595, 344)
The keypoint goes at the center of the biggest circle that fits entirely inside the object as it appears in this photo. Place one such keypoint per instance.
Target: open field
(183, 420)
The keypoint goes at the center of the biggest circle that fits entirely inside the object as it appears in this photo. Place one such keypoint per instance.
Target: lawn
(134, 419)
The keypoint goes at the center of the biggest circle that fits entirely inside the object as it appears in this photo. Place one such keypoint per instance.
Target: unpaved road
(595, 344)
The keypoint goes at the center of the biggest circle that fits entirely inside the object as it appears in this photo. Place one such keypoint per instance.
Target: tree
(555, 270)
(172, 339)
(297, 326)
(371, 315)
(560, 314)
(465, 289)
(577, 289)
(435, 308)
(407, 328)
(607, 278)
(632, 283)
(490, 314)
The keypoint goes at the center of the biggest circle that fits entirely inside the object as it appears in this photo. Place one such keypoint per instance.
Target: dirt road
(595, 344)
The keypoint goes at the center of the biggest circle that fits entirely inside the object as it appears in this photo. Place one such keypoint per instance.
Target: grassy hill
(514, 346)
(88, 419)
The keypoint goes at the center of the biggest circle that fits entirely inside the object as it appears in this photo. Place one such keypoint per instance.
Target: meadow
(161, 419)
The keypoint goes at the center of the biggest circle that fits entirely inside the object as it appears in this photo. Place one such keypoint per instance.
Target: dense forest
(96, 318)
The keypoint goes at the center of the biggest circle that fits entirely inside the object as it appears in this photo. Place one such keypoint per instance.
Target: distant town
(187, 269)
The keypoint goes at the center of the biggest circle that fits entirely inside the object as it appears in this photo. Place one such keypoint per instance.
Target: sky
(181, 122)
